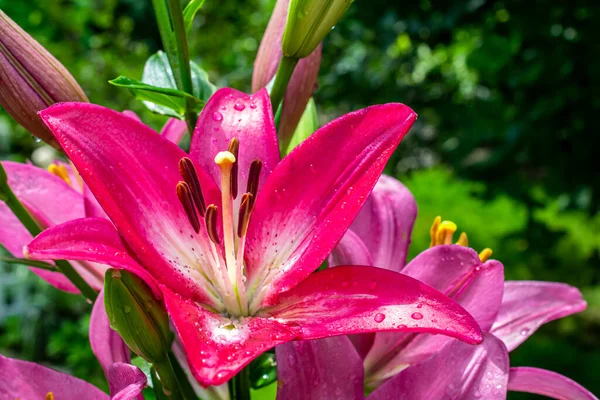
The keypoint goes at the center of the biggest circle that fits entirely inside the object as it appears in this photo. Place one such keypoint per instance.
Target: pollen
(49, 396)
(485, 254)
(442, 232)
(60, 171)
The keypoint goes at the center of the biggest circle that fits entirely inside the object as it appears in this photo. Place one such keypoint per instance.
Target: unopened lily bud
(308, 22)
(137, 315)
(31, 79)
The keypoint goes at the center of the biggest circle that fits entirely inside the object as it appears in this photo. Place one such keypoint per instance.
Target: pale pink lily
(423, 366)
(53, 197)
(238, 283)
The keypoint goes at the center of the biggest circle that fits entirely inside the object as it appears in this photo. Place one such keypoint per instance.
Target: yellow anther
(445, 232)
(463, 240)
(49, 396)
(434, 229)
(60, 171)
(224, 159)
(485, 254)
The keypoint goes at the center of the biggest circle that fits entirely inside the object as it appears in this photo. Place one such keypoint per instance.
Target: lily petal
(314, 193)
(546, 383)
(351, 250)
(385, 223)
(347, 299)
(217, 347)
(126, 382)
(86, 239)
(457, 371)
(27, 380)
(174, 130)
(319, 369)
(133, 172)
(230, 113)
(107, 345)
(527, 305)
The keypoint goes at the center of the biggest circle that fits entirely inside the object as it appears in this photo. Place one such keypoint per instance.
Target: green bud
(134, 312)
(308, 22)
(308, 124)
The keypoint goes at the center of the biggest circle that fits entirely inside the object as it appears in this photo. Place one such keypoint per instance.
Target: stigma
(442, 232)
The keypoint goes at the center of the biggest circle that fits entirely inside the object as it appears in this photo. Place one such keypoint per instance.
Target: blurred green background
(508, 126)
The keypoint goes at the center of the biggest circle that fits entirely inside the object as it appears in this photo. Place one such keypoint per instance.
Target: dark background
(506, 142)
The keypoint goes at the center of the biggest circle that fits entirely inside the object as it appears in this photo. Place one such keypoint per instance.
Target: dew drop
(417, 315)
(524, 331)
(419, 305)
(253, 105)
(239, 106)
(217, 116)
(379, 317)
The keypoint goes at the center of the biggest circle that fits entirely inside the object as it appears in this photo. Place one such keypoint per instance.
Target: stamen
(210, 219)
(185, 197)
(60, 171)
(234, 147)
(253, 177)
(463, 240)
(445, 232)
(485, 254)
(244, 214)
(434, 229)
(189, 175)
(49, 396)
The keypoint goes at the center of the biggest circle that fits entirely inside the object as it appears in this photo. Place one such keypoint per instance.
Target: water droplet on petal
(524, 331)
(419, 305)
(239, 106)
(217, 116)
(379, 317)
(417, 315)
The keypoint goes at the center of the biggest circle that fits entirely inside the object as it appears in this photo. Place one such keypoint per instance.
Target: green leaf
(263, 371)
(309, 123)
(30, 263)
(190, 12)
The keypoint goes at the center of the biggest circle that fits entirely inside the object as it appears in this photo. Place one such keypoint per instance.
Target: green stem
(239, 385)
(282, 79)
(168, 379)
(31, 263)
(8, 196)
(182, 379)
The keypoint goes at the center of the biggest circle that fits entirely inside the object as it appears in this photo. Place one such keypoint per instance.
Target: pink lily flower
(235, 267)
(55, 196)
(422, 366)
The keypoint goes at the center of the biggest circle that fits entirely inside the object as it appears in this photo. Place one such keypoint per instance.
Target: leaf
(308, 124)
(190, 12)
(30, 263)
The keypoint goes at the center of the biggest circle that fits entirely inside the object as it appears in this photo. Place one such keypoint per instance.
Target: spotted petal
(546, 383)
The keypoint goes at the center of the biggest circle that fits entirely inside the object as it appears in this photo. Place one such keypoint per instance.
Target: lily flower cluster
(201, 261)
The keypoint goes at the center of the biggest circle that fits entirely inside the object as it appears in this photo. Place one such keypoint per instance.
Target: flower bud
(308, 22)
(31, 79)
(137, 315)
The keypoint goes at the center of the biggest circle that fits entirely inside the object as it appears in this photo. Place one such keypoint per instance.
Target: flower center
(226, 261)
(442, 232)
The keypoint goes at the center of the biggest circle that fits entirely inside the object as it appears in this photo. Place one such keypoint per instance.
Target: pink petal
(527, 305)
(319, 369)
(546, 383)
(88, 239)
(126, 382)
(133, 172)
(217, 347)
(344, 300)
(351, 250)
(132, 114)
(107, 345)
(174, 130)
(314, 194)
(385, 223)
(458, 371)
(230, 113)
(27, 380)
(14, 236)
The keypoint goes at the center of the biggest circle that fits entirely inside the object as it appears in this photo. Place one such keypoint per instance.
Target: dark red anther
(189, 175)
(244, 214)
(185, 197)
(210, 219)
(253, 177)
(234, 148)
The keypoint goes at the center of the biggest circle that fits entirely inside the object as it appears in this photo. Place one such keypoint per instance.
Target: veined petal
(351, 250)
(385, 223)
(174, 130)
(27, 380)
(87, 239)
(345, 300)
(13, 236)
(319, 369)
(314, 194)
(546, 383)
(107, 345)
(230, 113)
(457, 371)
(133, 172)
(126, 382)
(527, 305)
(218, 347)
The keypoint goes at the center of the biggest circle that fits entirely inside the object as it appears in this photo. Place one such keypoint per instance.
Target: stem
(31, 263)
(8, 196)
(182, 379)
(282, 79)
(239, 385)
(168, 379)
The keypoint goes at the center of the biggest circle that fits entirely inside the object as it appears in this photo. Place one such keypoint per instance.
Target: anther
(210, 219)
(234, 147)
(463, 240)
(445, 232)
(244, 216)
(485, 254)
(49, 396)
(185, 197)
(189, 175)
(60, 171)
(434, 229)
(253, 177)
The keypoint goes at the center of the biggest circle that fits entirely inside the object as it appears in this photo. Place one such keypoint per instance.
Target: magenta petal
(107, 345)
(132, 114)
(126, 382)
(546, 383)
(27, 380)
(174, 130)
(457, 371)
(314, 194)
(385, 223)
(217, 347)
(344, 300)
(133, 172)
(351, 250)
(319, 369)
(527, 305)
(230, 113)
(86, 239)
